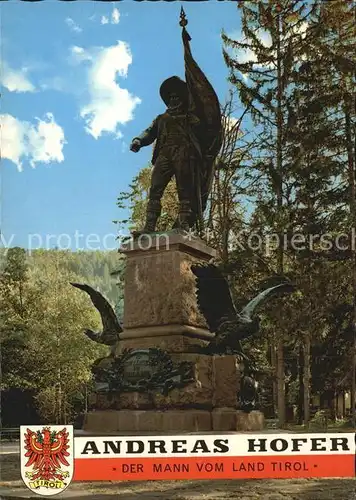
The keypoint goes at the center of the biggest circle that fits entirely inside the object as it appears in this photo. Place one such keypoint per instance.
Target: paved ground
(9, 448)
(11, 488)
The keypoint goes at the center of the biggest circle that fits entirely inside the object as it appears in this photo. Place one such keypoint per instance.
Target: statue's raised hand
(135, 145)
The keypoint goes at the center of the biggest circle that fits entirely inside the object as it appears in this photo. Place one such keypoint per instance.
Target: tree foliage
(43, 347)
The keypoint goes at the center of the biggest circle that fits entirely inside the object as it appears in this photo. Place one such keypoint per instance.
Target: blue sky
(79, 81)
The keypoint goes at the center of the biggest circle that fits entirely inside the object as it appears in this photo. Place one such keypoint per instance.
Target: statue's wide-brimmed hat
(174, 85)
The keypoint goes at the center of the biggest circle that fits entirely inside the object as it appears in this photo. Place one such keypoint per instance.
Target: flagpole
(199, 222)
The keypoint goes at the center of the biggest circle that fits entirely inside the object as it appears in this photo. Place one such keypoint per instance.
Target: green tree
(43, 346)
(336, 26)
(58, 322)
(274, 37)
(17, 299)
(225, 213)
(135, 200)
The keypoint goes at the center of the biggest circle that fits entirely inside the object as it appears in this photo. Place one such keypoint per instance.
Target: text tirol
(215, 457)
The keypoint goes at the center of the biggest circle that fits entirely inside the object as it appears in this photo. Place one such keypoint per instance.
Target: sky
(80, 80)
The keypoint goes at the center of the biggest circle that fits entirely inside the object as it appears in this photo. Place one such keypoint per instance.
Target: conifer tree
(273, 41)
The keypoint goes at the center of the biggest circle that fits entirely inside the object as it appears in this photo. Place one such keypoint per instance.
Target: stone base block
(216, 384)
(174, 339)
(219, 420)
(229, 419)
(253, 421)
(226, 381)
(148, 421)
(159, 284)
(224, 419)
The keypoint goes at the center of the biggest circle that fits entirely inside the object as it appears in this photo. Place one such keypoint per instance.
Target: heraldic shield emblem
(47, 458)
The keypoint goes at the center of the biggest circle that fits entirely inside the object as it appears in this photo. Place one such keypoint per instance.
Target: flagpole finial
(183, 19)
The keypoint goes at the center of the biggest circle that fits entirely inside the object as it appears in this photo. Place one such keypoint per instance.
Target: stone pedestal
(161, 311)
(160, 308)
(207, 404)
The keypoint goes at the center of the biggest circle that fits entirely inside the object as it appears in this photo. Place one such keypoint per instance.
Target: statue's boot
(184, 218)
(152, 215)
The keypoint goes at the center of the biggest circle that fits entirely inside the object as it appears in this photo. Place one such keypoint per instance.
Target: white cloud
(73, 26)
(77, 50)
(16, 80)
(38, 143)
(55, 83)
(301, 29)
(230, 122)
(248, 55)
(265, 38)
(109, 105)
(115, 16)
(79, 55)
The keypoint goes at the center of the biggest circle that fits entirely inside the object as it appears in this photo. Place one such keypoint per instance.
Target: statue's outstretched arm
(148, 136)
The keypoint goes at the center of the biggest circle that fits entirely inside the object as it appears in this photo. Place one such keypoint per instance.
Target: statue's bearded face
(174, 100)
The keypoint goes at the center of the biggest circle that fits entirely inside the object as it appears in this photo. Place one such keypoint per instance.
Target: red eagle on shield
(46, 452)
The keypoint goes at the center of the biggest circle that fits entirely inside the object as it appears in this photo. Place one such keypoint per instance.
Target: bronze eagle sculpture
(112, 326)
(231, 327)
(216, 304)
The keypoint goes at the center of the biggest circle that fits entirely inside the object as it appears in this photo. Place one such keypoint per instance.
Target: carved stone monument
(161, 316)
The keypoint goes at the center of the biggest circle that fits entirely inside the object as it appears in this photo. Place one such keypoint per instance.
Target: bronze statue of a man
(176, 152)
(188, 138)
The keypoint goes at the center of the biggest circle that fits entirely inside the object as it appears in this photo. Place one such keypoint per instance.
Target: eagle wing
(107, 314)
(213, 296)
(274, 291)
(34, 450)
(59, 449)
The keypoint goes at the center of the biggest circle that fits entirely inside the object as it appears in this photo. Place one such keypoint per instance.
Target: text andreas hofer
(218, 448)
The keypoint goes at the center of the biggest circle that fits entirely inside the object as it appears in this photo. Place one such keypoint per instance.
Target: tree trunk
(281, 384)
(301, 385)
(280, 255)
(306, 379)
(335, 405)
(307, 334)
(274, 378)
(352, 204)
